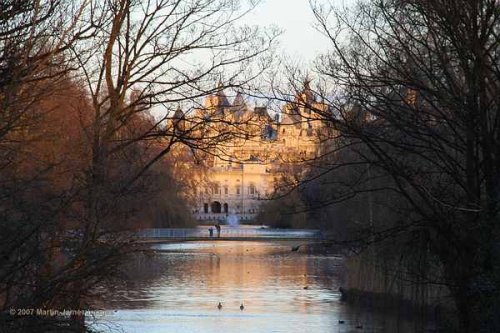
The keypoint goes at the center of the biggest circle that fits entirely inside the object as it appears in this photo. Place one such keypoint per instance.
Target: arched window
(251, 189)
(205, 208)
(216, 207)
(226, 208)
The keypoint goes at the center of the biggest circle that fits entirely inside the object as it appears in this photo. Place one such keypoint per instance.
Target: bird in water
(241, 307)
(219, 306)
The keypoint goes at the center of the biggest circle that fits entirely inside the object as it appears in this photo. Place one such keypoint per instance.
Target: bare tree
(413, 89)
(145, 57)
(34, 69)
(78, 80)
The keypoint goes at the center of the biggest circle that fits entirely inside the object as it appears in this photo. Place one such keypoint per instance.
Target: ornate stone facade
(245, 170)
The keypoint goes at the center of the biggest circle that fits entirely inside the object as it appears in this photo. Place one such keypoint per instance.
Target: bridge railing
(228, 232)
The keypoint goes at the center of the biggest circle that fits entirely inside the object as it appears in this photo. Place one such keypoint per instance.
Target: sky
(299, 40)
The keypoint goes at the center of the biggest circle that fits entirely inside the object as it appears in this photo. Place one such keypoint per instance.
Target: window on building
(226, 190)
(251, 189)
(205, 208)
(237, 190)
(216, 207)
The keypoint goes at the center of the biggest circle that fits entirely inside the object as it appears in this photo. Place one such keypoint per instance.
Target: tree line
(413, 173)
(87, 93)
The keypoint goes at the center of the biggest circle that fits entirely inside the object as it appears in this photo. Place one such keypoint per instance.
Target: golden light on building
(243, 170)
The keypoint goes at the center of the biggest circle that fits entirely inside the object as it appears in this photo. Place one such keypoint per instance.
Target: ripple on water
(179, 291)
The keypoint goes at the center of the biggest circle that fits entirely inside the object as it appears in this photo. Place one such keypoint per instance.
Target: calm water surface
(178, 289)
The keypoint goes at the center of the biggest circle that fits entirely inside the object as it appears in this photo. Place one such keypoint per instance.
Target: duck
(219, 306)
(341, 322)
(242, 307)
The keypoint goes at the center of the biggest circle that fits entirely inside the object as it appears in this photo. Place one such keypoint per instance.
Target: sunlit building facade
(245, 170)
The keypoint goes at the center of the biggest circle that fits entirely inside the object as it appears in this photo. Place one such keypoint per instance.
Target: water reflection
(283, 291)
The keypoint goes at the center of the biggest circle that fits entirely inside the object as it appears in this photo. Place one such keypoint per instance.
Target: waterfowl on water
(341, 322)
(241, 307)
(219, 306)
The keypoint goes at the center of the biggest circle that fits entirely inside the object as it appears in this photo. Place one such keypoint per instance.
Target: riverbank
(380, 284)
(426, 318)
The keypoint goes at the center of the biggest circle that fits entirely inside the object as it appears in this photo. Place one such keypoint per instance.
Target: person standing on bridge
(217, 226)
(211, 232)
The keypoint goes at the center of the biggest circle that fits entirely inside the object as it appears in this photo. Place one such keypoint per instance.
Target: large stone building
(244, 170)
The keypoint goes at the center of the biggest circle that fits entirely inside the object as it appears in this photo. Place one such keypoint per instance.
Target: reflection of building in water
(245, 168)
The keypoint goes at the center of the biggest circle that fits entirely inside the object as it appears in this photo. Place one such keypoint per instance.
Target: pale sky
(299, 39)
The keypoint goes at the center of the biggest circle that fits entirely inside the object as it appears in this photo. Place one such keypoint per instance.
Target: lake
(178, 290)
